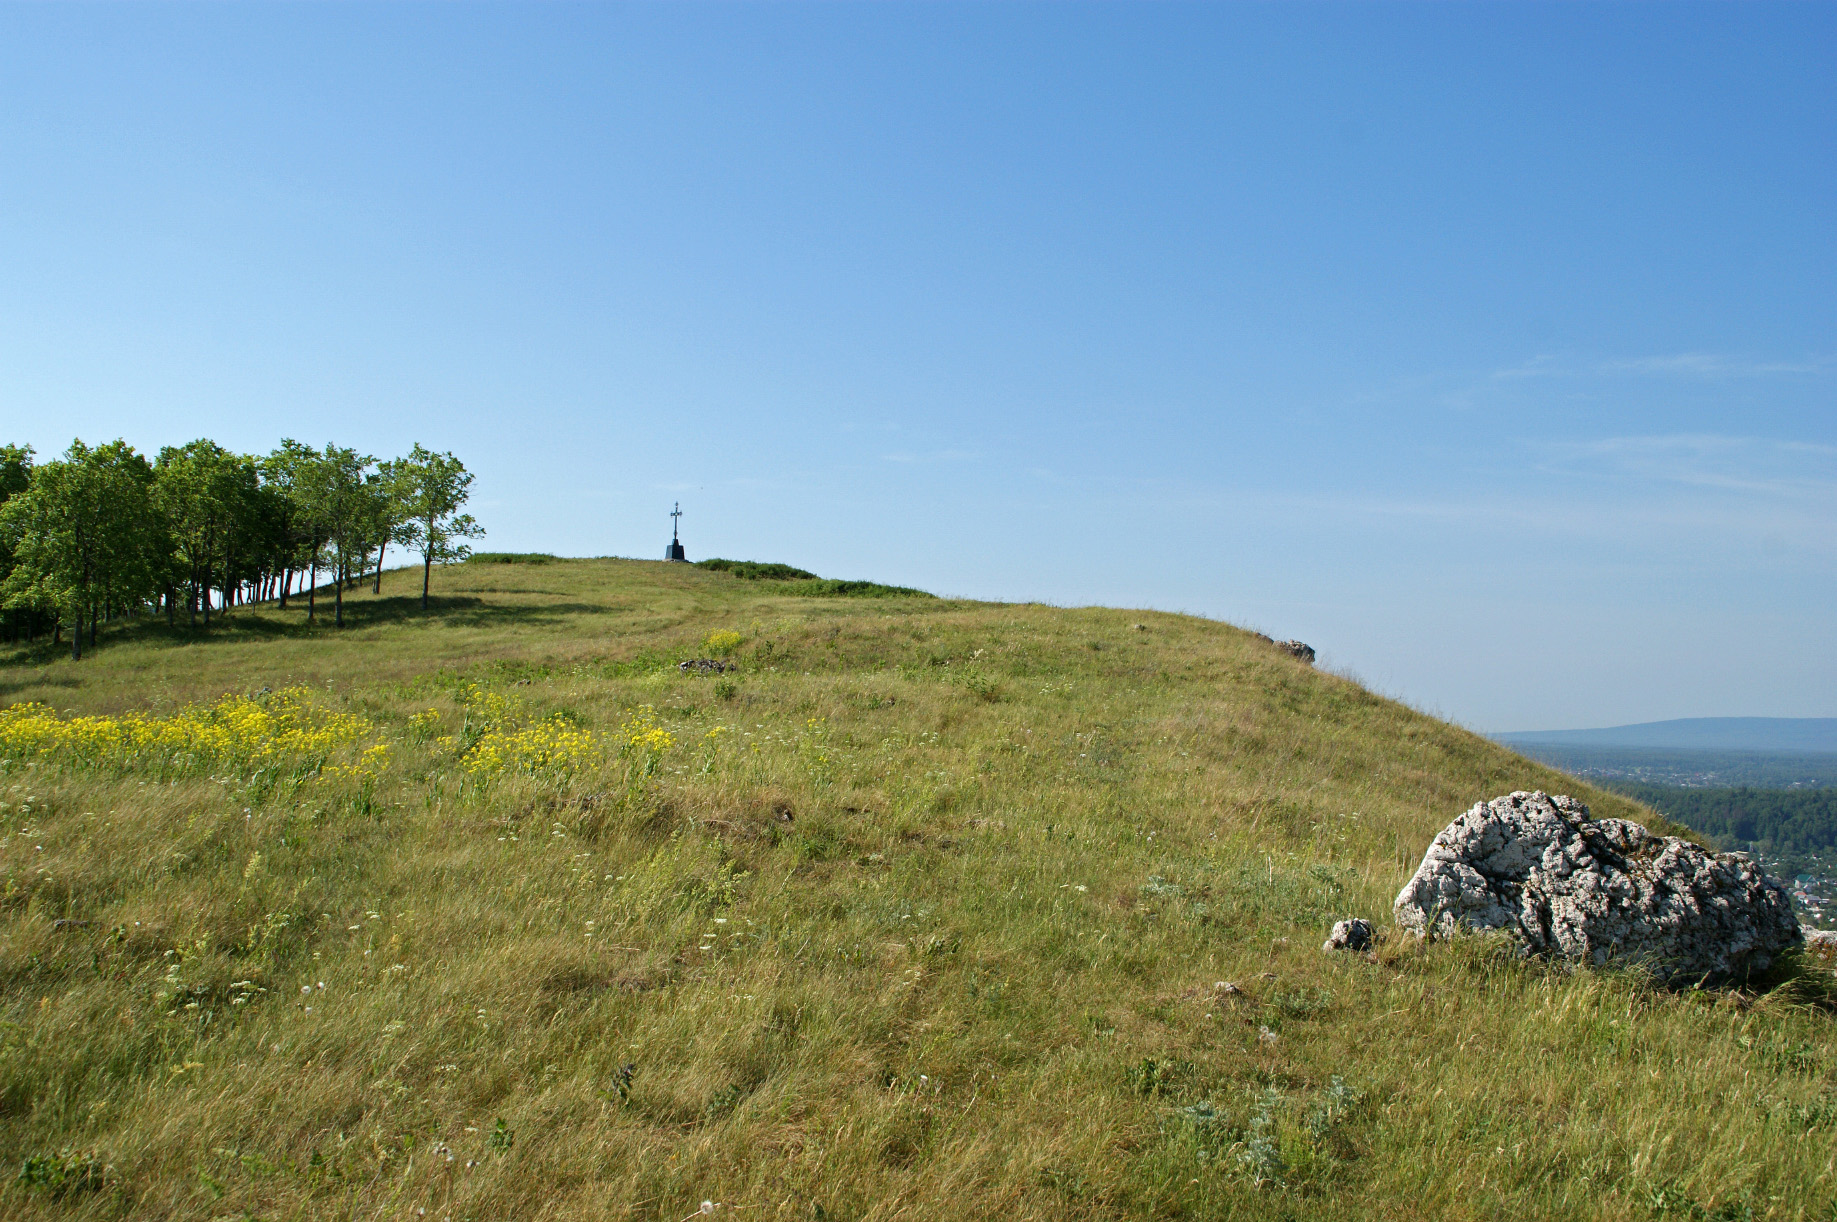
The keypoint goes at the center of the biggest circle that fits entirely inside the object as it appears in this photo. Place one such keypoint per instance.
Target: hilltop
(926, 909)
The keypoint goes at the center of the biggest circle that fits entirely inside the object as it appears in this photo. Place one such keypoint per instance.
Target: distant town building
(675, 551)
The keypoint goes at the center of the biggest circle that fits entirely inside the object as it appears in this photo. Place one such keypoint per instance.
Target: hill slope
(927, 911)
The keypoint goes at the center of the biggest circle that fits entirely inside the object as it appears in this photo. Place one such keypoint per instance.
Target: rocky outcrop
(705, 666)
(1599, 891)
(1294, 649)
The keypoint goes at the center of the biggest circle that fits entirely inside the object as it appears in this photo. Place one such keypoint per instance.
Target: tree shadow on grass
(268, 622)
(9, 686)
(460, 612)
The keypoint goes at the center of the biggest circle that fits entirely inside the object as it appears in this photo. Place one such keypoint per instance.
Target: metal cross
(674, 514)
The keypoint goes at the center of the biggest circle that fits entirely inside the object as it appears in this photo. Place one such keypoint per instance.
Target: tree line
(102, 533)
(1784, 826)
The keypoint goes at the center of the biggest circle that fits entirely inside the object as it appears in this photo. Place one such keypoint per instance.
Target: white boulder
(1600, 891)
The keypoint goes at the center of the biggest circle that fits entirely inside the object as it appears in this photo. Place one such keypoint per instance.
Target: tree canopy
(101, 532)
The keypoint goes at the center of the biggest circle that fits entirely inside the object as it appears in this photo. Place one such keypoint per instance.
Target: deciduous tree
(86, 537)
(209, 496)
(434, 489)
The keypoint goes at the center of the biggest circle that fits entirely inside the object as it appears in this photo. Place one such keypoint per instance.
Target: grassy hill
(932, 909)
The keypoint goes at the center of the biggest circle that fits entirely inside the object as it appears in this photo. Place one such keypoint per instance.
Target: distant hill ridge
(1802, 734)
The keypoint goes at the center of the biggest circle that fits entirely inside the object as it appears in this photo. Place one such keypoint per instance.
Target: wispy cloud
(1752, 465)
(932, 456)
(1645, 492)
(1670, 365)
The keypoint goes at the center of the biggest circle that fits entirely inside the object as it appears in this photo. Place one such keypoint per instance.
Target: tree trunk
(381, 550)
(427, 575)
(76, 636)
(204, 593)
(338, 613)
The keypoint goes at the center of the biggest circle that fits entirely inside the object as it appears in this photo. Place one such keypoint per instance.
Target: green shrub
(510, 558)
(69, 1170)
(851, 589)
(805, 583)
(754, 570)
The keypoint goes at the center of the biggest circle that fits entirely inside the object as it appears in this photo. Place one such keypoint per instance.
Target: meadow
(927, 909)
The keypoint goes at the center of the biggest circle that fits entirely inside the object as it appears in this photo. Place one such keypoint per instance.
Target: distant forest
(1786, 828)
(1687, 767)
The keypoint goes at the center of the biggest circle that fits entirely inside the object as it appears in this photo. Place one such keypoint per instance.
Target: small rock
(705, 666)
(1296, 649)
(1355, 934)
(1228, 988)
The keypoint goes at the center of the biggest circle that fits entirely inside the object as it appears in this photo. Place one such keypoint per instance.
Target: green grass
(927, 913)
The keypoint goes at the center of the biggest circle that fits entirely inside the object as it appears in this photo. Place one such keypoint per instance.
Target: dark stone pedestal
(674, 552)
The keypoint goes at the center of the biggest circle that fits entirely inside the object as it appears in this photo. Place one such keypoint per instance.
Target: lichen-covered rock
(1294, 649)
(1355, 934)
(1599, 891)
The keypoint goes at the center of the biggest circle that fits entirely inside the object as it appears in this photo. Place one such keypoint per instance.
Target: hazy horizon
(1817, 735)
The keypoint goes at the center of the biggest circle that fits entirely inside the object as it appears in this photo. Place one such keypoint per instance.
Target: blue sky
(1490, 349)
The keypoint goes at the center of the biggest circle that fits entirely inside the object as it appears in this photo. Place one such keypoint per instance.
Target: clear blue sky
(1490, 349)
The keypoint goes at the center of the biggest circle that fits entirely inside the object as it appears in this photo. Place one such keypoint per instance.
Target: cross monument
(675, 551)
